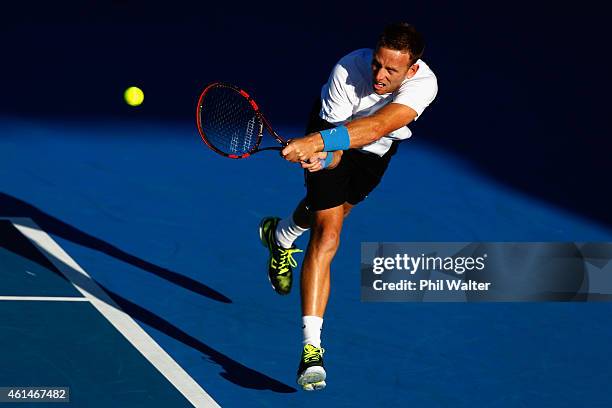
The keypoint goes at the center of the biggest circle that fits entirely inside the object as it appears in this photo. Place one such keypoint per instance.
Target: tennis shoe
(311, 372)
(280, 261)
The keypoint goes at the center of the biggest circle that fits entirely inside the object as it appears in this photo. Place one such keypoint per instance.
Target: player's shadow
(233, 371)
(14, 207)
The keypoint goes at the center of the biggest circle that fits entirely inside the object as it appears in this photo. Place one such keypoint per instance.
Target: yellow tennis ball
(133, 96)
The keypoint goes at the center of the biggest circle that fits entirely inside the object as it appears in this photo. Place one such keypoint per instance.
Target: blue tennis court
(135, 279)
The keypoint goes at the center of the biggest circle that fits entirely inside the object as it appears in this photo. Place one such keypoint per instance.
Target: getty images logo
(412, 264)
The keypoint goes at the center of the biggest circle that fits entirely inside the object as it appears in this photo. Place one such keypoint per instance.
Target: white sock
(287, 232)
(311, 329)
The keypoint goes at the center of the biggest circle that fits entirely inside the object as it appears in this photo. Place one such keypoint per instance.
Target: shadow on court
(23, 248)
(233, 371)
(14, 207)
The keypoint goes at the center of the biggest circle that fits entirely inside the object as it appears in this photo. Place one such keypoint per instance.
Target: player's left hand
(299, 150)
(315, 163)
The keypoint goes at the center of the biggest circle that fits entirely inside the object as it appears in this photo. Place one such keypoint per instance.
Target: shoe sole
(312, 379)
(261, 238)
(314, 387)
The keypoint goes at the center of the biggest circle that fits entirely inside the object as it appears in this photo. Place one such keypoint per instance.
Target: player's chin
(380, 88)
(380, 91)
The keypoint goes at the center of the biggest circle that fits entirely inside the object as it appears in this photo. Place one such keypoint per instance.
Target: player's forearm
(364, 131)
(361, 132)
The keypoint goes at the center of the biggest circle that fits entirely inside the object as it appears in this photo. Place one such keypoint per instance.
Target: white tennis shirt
(348, 95)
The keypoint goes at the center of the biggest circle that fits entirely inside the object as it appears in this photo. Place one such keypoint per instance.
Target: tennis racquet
(230, 122)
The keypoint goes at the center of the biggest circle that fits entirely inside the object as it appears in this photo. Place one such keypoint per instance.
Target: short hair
(402, 37)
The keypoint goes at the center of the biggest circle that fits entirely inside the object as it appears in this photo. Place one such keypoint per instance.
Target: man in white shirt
(370, 98)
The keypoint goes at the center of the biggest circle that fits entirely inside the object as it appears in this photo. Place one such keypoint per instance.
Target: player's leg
(363, 172)
(302, 216)
(315, 286)
(323, 244)
(278, 235)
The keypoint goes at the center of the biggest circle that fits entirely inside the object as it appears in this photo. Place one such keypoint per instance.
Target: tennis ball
(133, 96)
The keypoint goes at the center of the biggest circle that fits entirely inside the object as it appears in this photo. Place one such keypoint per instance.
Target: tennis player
(354, 130)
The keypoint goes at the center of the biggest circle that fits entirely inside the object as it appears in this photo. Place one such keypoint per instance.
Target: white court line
(118, 318)
(46, 298)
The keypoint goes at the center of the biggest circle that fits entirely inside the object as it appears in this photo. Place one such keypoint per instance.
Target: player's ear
(412, 71)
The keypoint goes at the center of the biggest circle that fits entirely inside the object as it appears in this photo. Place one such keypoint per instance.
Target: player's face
(389, 69)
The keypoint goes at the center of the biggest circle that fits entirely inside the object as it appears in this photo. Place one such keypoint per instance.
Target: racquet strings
(229, 122)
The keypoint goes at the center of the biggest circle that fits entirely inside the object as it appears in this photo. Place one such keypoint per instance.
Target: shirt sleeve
(336, 106)
(418, 94)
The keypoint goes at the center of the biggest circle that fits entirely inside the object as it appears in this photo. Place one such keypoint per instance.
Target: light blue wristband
(327, 160)
(335, 139)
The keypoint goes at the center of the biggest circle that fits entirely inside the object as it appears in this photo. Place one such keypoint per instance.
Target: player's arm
(360, 132)
(369, 129)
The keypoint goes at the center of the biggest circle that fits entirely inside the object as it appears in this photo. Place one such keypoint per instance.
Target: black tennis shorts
(351, 181)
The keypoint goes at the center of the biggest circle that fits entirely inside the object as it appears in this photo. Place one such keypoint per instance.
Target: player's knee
(328, 239)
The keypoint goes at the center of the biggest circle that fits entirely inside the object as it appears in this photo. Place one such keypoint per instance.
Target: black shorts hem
(351, 181)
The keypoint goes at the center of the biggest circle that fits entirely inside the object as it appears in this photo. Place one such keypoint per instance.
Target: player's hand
(315, 163)
(300, 149)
